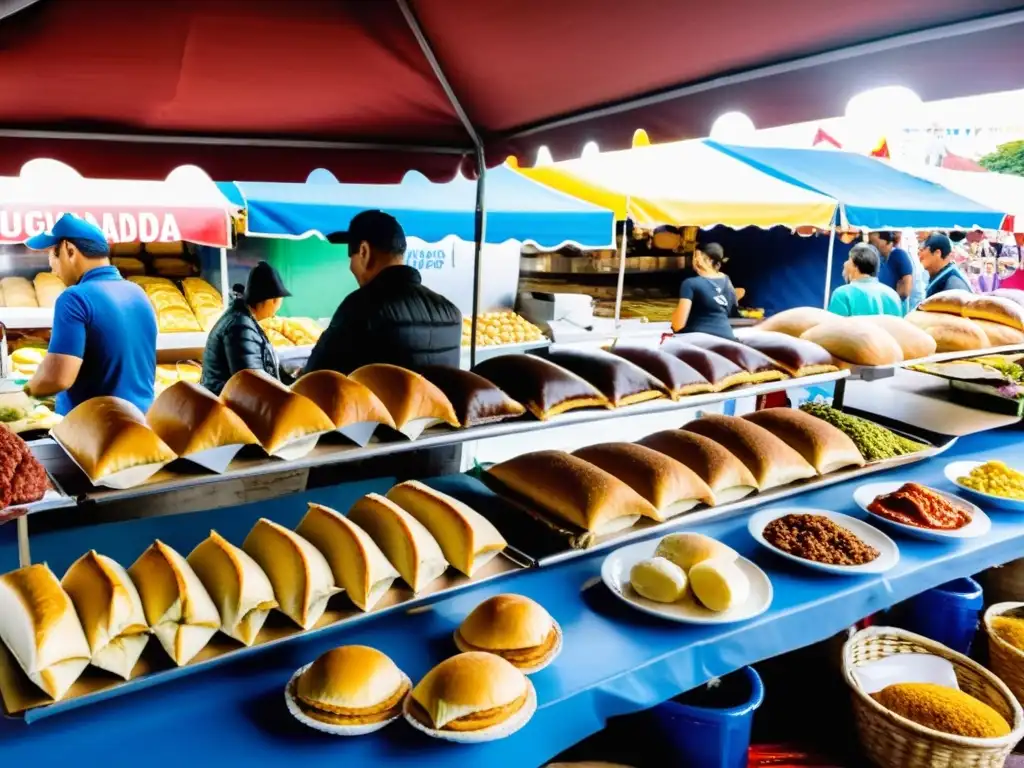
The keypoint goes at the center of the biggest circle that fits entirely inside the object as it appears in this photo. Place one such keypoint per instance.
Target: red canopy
(526, 72)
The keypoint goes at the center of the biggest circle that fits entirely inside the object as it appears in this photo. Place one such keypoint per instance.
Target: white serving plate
(889, 552)
(958, 469)
(334, 730)
(980, 523)
(615, 573)
(495, 732)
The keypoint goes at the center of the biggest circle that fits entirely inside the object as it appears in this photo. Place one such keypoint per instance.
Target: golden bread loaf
(856, 343)
(343, 399)
(511, 626)
(413, 402)
(721, 372)
(796, 356)
(354, 683)
(48, 287)
(826, 448)
(687, 548)
(999, 335)
(948, 302)
(680, 378)
(18, 293)
(726, 476)
(476, 400)
(191, 419)
(914, 342)
(796, 321)
(470, 692)
(619, 380)
(761, 367)
(995, 309)
(952, 333)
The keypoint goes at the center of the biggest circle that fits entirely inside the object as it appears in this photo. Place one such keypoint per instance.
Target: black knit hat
(264, 284)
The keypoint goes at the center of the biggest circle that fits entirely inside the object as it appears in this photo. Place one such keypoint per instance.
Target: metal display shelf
(874, 372)
(332, 451)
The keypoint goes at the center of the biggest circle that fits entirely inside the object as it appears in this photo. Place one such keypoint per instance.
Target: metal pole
(479, 235)
(622, 268)
(225, 283)
(24, 557)
(828, 265)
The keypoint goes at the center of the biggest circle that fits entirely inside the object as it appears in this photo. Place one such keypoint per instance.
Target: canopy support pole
(828, 265)
(621, 285)
(480, 220)
(225, 283)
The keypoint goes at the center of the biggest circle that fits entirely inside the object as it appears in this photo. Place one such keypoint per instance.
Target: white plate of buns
(678, 568)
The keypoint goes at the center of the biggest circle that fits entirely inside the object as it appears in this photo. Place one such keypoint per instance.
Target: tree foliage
(1008, 158)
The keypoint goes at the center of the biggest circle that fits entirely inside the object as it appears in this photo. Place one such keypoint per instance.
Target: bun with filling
(995, 309)
(726, 476)
(299, 573)
(191, 419)
(110, 609)
(40, 628)
(760, 367)
(772, 462)
(573, 490)
(468, 539)
(672, 488)
(275, 414)
(344, 400)
(175, 602)
(513, 627)
(680, 379)
(413, 402)
(796, 321)
(469, 692)
(402, 538)
(914, 342)
(797, 357)
(358, 565)
(476, 400)
(545, 389)
(352, 685)
(238, 586)
(826, 448)
(719, 371)
(999, 335)
(856, 343)
(619, 380)
(949, 302)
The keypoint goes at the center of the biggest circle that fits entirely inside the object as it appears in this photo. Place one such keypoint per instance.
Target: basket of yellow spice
(918, 725)
(1004, 624)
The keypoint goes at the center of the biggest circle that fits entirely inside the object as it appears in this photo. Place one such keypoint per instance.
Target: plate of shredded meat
(922, 512)
(824, 540)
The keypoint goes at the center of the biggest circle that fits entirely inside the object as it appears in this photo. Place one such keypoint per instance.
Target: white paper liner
(905, 668)
(494, 733)
(413, 429)
(216, 460)
(119, 481)
(296, 449)
(334, 730)
(525, 670)
(359, 432)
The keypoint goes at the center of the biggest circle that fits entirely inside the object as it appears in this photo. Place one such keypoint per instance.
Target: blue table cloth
(615, 660)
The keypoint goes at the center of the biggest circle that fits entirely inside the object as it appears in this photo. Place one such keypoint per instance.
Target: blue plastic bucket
(947, 614)
(711, 736)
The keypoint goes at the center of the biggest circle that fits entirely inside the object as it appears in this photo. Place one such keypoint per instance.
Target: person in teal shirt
(863, 294)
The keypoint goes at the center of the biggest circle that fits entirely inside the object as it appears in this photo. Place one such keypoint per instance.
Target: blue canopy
(872, 194)
(517, 209)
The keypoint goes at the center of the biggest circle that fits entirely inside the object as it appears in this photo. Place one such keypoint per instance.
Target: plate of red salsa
(920, 511)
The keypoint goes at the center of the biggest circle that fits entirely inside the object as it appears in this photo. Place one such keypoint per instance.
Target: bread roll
(1013, 294)
(672, 488)
(658, 579)
(795, 322)
(110, 609)
(545, 389)
(344, 400)
(352, 685)
(405, 542)
(238, 586)
(719, 584)
(107, 435)
(688, 548)
(511, 626)
(797, 357)
(856, 343)
(176, 604)
(39, 626)
(413, 402)
(358, 565)
(719, 371)
(826, 448)
(1000, 335)
(724, 474)
(468, 539)
(621, 382)
(470, 692)
(573, 490)
(949, 302)
(299, 573)
(951, 333)
(275, 414)
(760, 367)
(680, 379)
(772, 462)
(191, 419)
(995, 309)
(48, 287)
(914, 342)
(476, 400)
(18, 293)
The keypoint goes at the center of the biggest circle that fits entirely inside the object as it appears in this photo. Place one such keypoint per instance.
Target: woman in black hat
(237, 342)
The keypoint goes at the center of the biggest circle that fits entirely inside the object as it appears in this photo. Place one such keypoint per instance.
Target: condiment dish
(980, 523)
(958, 469)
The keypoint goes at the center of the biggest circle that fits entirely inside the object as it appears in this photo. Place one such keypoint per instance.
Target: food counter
(616, 660)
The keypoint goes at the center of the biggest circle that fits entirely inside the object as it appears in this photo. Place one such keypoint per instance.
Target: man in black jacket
(392, 317)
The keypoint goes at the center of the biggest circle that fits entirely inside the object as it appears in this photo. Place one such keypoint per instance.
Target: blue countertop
(615, 660)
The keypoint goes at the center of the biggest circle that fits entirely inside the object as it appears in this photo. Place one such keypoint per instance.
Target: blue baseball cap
(69, 227)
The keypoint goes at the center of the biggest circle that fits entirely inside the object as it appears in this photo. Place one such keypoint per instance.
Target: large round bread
(949, 302)
(856, 343)
(995, 309)
(506, 623)
(1000, 335)
(350, 678)
(951, 333)
(794, 322)
(914, 342)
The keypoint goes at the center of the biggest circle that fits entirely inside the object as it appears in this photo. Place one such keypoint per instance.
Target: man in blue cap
(935, 256)
(104, 329)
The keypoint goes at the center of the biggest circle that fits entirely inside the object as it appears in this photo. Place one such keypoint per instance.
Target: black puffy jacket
(392, 319)
(236, 343)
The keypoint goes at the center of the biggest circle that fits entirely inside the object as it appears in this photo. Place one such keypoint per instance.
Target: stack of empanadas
(761, 367)
(191, 420)
(720, 372)
(352, 407)
(619, 380)
(475, 399)
(680, 378)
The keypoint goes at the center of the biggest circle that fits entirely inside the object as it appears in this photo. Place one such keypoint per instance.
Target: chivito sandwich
(469, 692)
(110, 609)
(39, 626)
(176, 604)
(359, 566)
(352, 685)
(239, 587)
(513, 627)
(299, 573)
(468, 539)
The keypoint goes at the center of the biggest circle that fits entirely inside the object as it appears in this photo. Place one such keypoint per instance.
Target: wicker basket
(891, 740)
(1004, 582)
(1005, 660)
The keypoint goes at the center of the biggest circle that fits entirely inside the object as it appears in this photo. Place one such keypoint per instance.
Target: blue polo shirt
(893, 269)
(109, 323)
